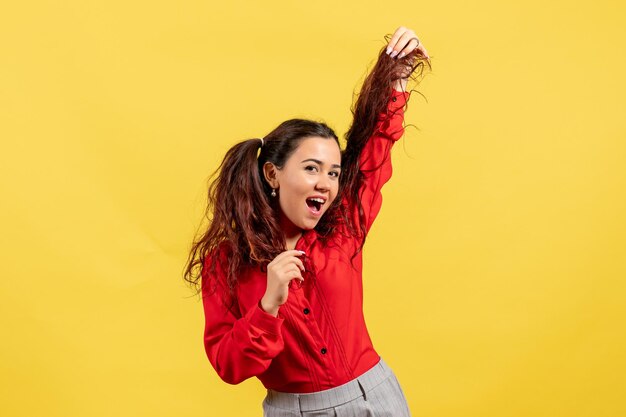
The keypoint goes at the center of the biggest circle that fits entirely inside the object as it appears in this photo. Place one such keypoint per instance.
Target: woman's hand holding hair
(284, 268)
(402, 43)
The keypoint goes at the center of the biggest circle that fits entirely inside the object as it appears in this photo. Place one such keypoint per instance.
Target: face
(312, 171)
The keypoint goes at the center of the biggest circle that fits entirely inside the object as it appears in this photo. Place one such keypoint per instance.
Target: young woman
(280, 263)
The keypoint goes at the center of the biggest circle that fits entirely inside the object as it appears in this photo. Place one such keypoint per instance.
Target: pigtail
(238, 209)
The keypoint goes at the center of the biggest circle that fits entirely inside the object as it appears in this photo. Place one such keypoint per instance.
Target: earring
(273, 192)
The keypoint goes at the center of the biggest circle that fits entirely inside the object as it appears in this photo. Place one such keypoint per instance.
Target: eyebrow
(320, 162)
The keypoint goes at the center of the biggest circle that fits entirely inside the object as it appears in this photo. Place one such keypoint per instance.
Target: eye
(336, 173)
(310, 166)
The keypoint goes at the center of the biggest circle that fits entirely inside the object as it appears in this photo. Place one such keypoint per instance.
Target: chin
(310, 226)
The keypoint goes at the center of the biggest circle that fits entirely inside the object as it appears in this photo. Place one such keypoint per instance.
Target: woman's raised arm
(378, 116)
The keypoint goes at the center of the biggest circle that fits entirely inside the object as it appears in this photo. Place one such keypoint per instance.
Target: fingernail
(401, 55)
(394, 53)
(302, 252)
(388, 50)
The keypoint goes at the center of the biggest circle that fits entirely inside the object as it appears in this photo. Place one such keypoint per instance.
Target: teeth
(319, 200)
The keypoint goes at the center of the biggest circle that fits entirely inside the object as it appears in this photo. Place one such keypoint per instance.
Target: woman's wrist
(273, 310)
(400, 85)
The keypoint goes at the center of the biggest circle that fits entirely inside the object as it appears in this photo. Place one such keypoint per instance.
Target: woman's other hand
(284, 268)
(402, 43)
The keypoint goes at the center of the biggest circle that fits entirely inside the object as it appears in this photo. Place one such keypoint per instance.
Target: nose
(323, 183)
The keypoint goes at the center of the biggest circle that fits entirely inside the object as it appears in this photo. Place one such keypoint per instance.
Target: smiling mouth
(314, 206)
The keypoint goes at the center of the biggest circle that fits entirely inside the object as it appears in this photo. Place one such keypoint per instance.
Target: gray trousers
(376, 393)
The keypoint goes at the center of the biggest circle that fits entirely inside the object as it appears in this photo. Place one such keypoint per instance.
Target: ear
(271, 174)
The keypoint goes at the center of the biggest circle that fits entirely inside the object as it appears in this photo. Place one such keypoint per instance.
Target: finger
(299, 276)
(394, 39)
(295, 282)
(412, 45)
(289, 269)
(291, 272)
(290, 260)
(420, 48)
(295, 274)
(298, 262)
(283, 255)
(405, 44)
(292, 252)
(424, 51)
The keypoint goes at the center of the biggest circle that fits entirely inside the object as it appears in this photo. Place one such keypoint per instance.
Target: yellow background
(494, 275)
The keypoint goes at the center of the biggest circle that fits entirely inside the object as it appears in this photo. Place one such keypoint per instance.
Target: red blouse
(319, 339)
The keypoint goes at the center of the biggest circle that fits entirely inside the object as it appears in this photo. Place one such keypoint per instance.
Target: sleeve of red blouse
(375, 158)
(239, 347)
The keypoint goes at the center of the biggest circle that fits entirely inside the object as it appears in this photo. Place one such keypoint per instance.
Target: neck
(292, 233)
(291, 241)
